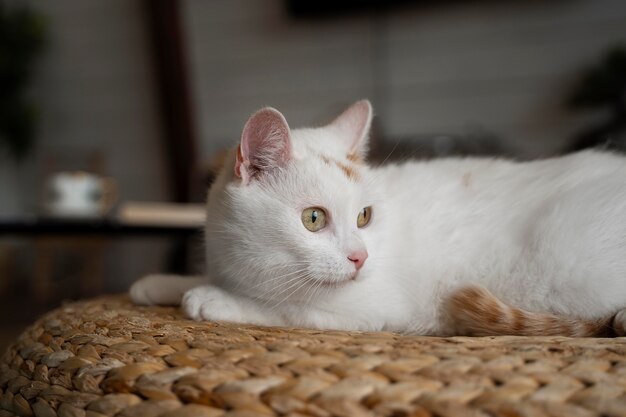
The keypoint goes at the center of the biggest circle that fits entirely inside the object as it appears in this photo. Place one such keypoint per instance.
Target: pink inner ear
(354, 124)
(265, 144)
(241, 166)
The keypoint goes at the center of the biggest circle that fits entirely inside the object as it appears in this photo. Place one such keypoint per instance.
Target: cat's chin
(337, 283)
(334, 284)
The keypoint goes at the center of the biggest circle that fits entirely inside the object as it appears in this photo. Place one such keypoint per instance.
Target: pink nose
(358, 258)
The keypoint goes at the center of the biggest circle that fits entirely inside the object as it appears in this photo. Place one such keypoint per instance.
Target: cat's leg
(212, 303)
(163, 289)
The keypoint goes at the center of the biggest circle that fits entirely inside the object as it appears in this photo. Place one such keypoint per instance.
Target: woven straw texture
(106, 357)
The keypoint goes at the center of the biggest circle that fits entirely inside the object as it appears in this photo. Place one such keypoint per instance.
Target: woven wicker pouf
(106, 357)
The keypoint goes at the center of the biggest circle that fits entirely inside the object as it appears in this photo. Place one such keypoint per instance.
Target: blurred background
(111, 108)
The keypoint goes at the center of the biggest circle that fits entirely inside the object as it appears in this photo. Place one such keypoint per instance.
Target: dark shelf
(85, 227)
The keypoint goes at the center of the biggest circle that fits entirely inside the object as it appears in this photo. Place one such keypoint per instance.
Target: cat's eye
(314, 218)
(365, 215)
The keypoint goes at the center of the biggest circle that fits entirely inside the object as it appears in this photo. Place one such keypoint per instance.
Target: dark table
(89, 236)
(104, 227)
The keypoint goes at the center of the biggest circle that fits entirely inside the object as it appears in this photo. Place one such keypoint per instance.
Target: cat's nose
(358, 257)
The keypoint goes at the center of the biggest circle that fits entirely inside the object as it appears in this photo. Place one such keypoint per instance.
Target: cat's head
(292, 211)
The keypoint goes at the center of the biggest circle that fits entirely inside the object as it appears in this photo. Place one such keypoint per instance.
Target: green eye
(314, 218)
(365, 215)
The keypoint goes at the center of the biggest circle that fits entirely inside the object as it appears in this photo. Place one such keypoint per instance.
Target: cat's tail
(162, 289)
(474, 311)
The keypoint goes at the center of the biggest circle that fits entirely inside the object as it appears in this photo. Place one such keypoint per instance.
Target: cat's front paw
(150, 290)
(211, 303)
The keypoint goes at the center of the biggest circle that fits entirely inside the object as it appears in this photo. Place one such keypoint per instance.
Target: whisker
(291, 280)
(274, 279)
(306, 280)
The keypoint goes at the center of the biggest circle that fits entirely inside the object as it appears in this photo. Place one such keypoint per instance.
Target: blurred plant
(22, 35)
(603, 86)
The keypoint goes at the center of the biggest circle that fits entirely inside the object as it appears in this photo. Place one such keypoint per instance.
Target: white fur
(162, 289)
(546, 236)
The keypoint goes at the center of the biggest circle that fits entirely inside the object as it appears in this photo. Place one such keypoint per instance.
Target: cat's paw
(213, 304)
(155, 289)
(619, 323)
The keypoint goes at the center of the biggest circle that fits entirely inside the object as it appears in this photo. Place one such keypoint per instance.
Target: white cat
(301, 232)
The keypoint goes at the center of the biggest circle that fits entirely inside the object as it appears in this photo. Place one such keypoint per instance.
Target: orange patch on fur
(519, 320)
(558, 326)
(478, 303)
(352, 157)
(466, 179)
(602, 328)
(349, 171)
(474, 311)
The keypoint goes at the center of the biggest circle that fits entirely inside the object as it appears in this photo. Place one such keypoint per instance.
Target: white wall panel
(505, 66)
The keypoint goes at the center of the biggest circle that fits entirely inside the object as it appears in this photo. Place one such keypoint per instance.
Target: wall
(96, 91)
(502, 66)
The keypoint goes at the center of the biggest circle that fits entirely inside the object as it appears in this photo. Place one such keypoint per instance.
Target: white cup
(79, 194)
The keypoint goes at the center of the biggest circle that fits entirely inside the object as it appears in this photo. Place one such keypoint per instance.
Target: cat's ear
(354, 127)
(265, 144)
